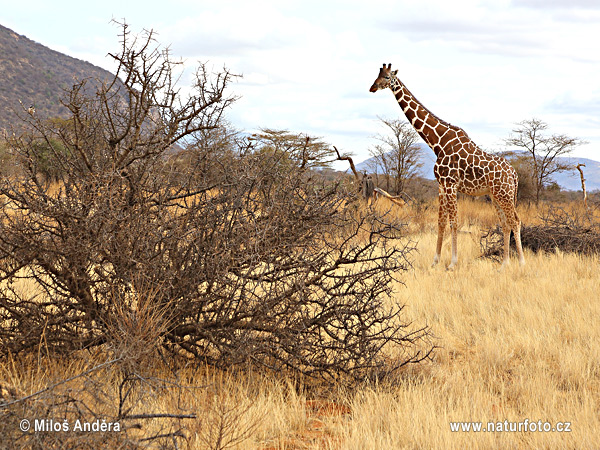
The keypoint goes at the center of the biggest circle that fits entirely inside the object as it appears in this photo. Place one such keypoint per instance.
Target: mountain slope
(566, 180)
(34, 74)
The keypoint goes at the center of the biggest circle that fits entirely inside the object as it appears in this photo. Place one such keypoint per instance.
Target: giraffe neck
(430, 127)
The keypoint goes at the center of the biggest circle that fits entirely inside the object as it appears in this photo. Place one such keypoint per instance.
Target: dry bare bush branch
(227, 250)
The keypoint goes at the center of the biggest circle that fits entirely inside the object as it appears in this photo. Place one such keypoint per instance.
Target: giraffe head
(384, 78)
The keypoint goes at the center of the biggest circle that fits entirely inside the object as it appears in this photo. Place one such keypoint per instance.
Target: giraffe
(461, 166)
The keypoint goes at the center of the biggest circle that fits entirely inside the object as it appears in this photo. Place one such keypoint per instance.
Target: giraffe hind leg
(510, 222)
(502, 216)
(516, 228)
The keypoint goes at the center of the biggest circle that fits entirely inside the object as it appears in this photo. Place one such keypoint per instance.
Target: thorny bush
(248, 255)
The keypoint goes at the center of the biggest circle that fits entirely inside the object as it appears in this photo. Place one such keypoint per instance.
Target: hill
(36, 75)
(569, 181)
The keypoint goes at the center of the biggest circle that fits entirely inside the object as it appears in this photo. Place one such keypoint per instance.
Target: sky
(307, 66)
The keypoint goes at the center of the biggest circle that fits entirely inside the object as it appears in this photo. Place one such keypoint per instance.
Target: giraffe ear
(395, 72)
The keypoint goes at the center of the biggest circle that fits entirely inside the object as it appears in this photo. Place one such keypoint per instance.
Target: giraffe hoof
(450, 268)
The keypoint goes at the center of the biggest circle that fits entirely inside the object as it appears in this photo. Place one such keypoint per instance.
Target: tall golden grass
(513, 345)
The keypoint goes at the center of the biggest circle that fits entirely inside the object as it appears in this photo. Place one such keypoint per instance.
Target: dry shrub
(576, 231)
(232, 251)
(135, 327)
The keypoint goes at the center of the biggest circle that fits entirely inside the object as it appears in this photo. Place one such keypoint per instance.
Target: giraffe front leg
(452, 213)
(442, 219)
(440, 240)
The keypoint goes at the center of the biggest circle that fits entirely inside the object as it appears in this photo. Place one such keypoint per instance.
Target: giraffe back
(474, 171)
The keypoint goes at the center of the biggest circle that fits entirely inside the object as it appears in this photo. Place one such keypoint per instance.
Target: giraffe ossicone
(461, 166)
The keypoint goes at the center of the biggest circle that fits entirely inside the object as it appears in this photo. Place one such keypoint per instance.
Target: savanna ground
(513, 345)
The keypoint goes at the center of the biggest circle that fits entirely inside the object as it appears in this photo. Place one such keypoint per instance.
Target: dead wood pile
(560, 230)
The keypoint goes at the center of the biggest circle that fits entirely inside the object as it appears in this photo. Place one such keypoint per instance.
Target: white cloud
(307, 65)
(558, 4)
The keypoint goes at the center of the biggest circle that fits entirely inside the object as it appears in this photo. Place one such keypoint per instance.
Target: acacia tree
(544, 151)
(246, 256)
(397, 153)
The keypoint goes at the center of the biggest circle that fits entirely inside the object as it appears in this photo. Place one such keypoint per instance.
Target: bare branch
(350, 161)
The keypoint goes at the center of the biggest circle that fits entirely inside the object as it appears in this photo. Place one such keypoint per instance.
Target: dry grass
(514, 345)
(473, 213)
(520, 344)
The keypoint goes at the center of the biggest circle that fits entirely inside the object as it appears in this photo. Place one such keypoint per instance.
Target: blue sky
(307, 65)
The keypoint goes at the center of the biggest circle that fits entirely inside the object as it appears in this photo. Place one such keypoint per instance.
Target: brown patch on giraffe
(441, 171)
(462, 153)
(468, 184)
(431, 122)
(448, 137)
(430, 134)
(437, 148)
(463, 139)
(461, 133)
(439, 129)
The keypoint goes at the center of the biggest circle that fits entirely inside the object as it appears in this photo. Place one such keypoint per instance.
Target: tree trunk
(579, 167)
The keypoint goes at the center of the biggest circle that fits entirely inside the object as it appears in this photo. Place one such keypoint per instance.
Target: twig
(349, 159)
(166, 435)
(392, 198)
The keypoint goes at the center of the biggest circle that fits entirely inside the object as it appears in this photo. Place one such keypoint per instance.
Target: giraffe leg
(516, 227)
(506, 258)
(505, 233)
(452, 213)
(442, 219)
(516, 224)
